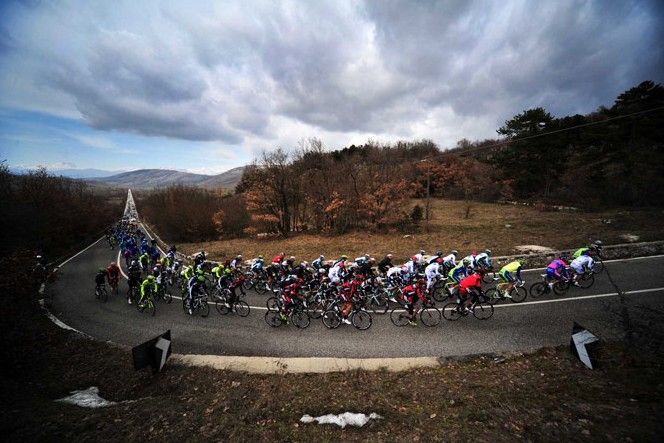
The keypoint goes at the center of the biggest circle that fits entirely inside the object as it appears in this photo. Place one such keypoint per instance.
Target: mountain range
(155, 178)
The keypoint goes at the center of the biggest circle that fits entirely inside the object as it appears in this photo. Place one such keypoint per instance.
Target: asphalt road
(514, 327)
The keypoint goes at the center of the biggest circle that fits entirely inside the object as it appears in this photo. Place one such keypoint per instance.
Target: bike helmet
(134, 263)
(239, 256)
(439, 253)
(321, 257)
(466, 261)
(260, 257)
(598, 243)
(150, 277)
(390, 256)
(200, 278)
(101, 270)
(487, 251)
(344, 257)
(422, 251)
(113, 264)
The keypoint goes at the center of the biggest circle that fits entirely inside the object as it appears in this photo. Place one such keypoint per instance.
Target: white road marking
(80, 252)
(605, 261)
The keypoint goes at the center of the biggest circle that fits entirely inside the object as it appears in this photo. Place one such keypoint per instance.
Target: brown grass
(449, 229)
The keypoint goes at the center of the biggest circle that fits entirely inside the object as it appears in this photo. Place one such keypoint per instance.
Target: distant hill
(155, 178)
(71, 173)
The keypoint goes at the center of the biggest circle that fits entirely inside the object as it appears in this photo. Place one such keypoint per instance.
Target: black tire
(150, 307)
(538, 289)
(361, 320)
(300, 319)
(273, 319)
(450, 311)
(272, 304)
(261, 287)
(378, 304)
(316, 309)
(483, 311)
(519, 294)
(331, 319)
(221, 308)
(586, 280)
(399, 316)
(168, 298)
(185, 304)
(489, 277)
(598, 267)
(204, 308)
(560, 287)
(103, 295)
(430, 316)
(491, 295)
(241, 308)
(439, 293)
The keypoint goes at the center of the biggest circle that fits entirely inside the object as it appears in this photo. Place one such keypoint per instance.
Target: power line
(543, 134)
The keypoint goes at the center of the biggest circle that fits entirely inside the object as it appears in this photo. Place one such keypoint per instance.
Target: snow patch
(87, 398)
(347, 418)
(630, 237)
(529, 249)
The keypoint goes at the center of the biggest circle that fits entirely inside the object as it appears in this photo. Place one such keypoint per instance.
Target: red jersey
(472, 281)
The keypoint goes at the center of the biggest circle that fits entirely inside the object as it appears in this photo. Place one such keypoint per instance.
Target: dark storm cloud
(238, 70)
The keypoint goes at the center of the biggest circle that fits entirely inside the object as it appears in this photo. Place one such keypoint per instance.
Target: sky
(205, 86)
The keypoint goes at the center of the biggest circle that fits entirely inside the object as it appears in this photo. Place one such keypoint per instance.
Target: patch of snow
(630, 237)
(87, 398)
(528, 249)
(347, 418)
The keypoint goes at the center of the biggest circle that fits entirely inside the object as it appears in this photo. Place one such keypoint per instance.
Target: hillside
(154, 178)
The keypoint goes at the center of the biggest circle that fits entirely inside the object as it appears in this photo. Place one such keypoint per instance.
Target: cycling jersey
(147, 284)
(458, 272)
(317, 264)
(449, 260)
(113, 271)
(411, 267)
(581, 251)
(473, 281)
(581, 263)
(508, 271)
(277, 260)
(100, 278)
(483, 260)
(471, 259)
(556, 268)
(257, 265)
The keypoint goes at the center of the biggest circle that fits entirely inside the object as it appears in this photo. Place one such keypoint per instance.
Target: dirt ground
(499, 227)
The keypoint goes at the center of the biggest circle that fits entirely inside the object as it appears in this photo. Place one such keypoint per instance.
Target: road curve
(514, 327)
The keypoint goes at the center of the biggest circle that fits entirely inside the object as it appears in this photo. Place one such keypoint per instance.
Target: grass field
(487, 226)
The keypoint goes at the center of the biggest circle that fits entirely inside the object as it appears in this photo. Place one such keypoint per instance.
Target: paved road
(513, 326)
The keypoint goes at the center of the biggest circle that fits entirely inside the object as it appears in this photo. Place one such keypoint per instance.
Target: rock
(537, 249)
(407, 236)
(507, 225)
(631, 238)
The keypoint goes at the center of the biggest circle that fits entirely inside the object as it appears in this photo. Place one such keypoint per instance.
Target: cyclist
(148, 284)
(432, 272)
(449, 261)
(410, 294)
(557, 270)
(290, 293)
(199, 258)
(144, 260)
(419, 256)
(595, 246)
(507, 274)
(435, 258)
(459, 271)
(195, 284)
(359, 261)
(318, 263)
(134, 280)
(113, 275)
(411, 266)
(337, 272)
(469, 288)
(471, 260)
(483, 260)
(100, 279)
(385, 264)
(236, 263)
(580, 265)
(257, 264)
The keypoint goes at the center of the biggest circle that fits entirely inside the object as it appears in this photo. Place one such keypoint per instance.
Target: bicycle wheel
(560, 287)
(538, 289)
(488, 277)
(103, 295)
(204, 308)
(261, 287)
(331, 319)
(185, 304)
(518, 294)
(221, 307)
(439, 293)
(300, 319)
(273, 319)
(399, 317)
(586, 280)
(483, 311)
(378, 304)
(272, 304)
(168, 298)
(241, 308)
(451, 312)
(492, 295)
(598, 267)
(150, 306)
(361, 320)
(315, 309)
(430, 316)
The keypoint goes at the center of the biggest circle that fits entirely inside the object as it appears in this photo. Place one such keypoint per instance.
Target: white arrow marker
(163, 345)
(581, 339)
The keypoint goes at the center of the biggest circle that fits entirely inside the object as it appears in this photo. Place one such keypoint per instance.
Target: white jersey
(483, 257)
(450, 260)
(410, 267)
(432, 270)
(581, 263)
(335, 274)
(393, 271)
(471, 259)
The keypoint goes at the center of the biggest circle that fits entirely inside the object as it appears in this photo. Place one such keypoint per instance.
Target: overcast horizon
(205, 86)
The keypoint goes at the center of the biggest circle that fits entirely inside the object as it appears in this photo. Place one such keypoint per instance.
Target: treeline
(189, 214)
(611, 157)
(52, 214)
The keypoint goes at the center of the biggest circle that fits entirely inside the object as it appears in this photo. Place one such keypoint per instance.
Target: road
(514, 327)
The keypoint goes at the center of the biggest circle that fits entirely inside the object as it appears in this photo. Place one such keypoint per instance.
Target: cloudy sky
(204, 86)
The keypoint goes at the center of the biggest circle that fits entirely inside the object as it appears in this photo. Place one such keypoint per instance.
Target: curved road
(514, 327)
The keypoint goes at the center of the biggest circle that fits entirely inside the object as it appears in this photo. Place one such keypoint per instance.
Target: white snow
(347, 418)
(528, 249)
(87, 398)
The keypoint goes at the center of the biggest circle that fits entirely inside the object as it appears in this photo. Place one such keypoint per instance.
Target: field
(499, 227)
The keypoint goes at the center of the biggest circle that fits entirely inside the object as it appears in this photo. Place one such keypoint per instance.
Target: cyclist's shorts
(506, 277)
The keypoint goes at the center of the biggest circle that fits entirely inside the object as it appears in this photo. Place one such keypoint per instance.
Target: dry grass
(449, 229)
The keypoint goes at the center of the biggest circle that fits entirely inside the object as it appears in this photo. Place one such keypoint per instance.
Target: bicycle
(146, 303)
(481, 308)
(198, 303)
(113, 281)
(358, 317)
(517, 294)
(428, 313)
(101, 293)
(164, 294)
(240, 307)
(296, 316)
(543, 287)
